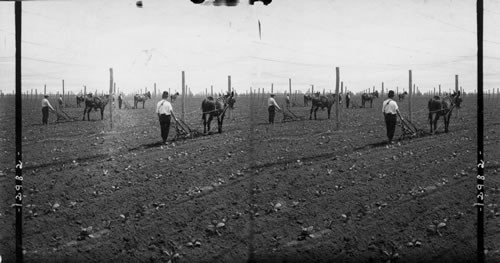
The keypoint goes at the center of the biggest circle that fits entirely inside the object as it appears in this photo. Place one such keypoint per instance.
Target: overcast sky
(370, 41)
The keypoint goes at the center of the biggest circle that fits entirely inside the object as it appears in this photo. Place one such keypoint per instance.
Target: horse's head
(148, 94)
(375, 94)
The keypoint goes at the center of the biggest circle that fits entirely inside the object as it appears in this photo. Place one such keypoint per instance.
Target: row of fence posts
(261, 92)
(33, 93)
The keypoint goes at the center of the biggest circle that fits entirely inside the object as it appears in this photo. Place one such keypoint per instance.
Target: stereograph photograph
(249, 131)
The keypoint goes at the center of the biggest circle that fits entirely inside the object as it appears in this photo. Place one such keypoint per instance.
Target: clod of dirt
(55, 206)
(305, 233)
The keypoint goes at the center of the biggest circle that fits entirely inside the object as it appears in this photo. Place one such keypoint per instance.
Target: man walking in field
(45, 109)
(272, 106)
(391, 111)
(120, 101)
(165, 111)
(60, 101)
(347, 99)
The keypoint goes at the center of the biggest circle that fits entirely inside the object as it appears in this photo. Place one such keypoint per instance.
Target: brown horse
(442, 107)
(368, 97)
(173, 97)
(141, 98)
(402, 96)
(215, 108)
(96, 103)
(322, 102)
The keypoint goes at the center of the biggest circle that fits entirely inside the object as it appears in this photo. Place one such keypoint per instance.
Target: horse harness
(226, 106)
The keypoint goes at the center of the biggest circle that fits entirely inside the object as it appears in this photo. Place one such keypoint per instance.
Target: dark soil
(298, 191)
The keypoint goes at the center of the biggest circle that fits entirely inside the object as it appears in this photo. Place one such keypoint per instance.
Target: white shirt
(46, 103)
(164, 107)
(390, 106)
(271, 102)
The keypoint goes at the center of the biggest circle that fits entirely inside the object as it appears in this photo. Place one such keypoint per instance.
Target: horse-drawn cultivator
(409, 130)
(63, 116)
(288, 115)
(183, 131)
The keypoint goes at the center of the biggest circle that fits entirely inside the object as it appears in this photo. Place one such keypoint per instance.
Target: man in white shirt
(391, 111)
(45, 109)
(165, 111)
(271, 107)
(60, 100)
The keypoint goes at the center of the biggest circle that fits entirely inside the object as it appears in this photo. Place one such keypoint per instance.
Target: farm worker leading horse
(165, 112)
(272, 106)
(45, 109)
(215, 108)
(442, 107)
(391, 111)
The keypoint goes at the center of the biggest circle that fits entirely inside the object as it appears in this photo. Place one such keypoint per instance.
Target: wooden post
(456, 90)
(183, 95)
(85, 91)
(341, 87)
(337, 116)
(212, 90)
(434, 91)
(229, 92)
(272, 87)
(111, 97)
(439, 90)
(409, 97)
(44, 89)
(397, 90)
(63, 89)
(290, 86)
(155, 90)
(382, 94)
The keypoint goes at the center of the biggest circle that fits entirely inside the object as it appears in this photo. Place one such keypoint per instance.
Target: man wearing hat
(45, 109)
(271, 107)
(165, 111)
(391, 111)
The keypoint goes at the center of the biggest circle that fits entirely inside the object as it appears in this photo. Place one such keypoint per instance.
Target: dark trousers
(272, 112)
(390, 124)
(119, 104)
(45, 115)
(347, 102)
(165, 126)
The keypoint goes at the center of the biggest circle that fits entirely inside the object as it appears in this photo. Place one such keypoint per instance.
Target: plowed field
(298, 191)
